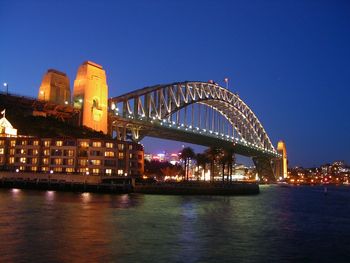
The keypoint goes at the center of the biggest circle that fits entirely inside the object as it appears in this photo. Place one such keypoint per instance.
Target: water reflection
(277, 225)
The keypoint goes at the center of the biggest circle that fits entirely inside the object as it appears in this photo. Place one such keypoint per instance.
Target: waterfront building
(69, 155)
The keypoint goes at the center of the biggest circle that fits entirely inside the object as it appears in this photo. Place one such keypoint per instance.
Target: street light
(6, 85)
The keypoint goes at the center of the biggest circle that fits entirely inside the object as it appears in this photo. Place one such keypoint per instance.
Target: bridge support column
(264, 168)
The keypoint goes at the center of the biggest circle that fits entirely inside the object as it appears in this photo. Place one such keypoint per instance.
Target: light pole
(6, 85)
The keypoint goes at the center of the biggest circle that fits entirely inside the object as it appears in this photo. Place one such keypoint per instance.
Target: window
(22, 160)
(83, 162)
(84, 144)
(58, 161)
(12, 143)
(68, 153)
(36, 143)
(45, 160)
(44, 169)
(109, 154)
(96, 144)
(23, 151)
(1, 142)
(12, 151)
(120, 147)
(109, 171)
(139, 156)
(59, 143)
(70, 161)
(34, 168)
(11, 160)
(130, 155)
(130, 147)
(34, 160)
(2, 150)
(95, 162)
(35, 152)
(120, 172)
(109, 145)
(95, 171)
(23, 142)
(120, 155)
(47, 143)
(70, 170)
(57, 169)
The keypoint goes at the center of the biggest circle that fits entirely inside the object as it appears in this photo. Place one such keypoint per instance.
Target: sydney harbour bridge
(195, 112)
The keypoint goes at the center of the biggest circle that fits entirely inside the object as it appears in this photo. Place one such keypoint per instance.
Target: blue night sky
(288, 60)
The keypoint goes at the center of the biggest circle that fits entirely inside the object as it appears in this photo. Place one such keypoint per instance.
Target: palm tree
(201, 160)
(213, 154)
(229, 159)
(187, 153)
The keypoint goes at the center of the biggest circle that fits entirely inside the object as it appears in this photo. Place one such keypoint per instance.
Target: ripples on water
(298, 224)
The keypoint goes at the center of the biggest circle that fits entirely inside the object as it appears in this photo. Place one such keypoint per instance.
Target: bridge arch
(159, 103)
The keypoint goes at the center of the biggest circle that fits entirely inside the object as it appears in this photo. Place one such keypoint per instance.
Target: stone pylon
(55, 88)
(90, 94)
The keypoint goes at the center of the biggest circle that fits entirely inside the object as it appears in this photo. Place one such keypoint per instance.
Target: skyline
(296, 52)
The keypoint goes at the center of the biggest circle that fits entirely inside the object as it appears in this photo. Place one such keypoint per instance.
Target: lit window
(23, 142)
(95, 171)
(44, 169)
(35, 152)
(96, 144)
(34, 168)
(70, 161)
(1, 142)
(36, 143)
(59, 143)
(130, 147)
(130, 155)
(108, 171)
(84, 144)
(11, 160)
(82, 162)
(45, 161)
(2, 150)
(109, 145)
(34, 160)
(120, 155)
(95, 162)
(46, 143)
(22, 160)
(120, 172)
(70, 170)
(109, 154)
(46, 152)
(120, 147)
(58, 161)
(23, 151)
(12, 143)
(12, 151)
(57, 169)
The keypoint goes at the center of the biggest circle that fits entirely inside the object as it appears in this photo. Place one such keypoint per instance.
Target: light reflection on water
(279, 225)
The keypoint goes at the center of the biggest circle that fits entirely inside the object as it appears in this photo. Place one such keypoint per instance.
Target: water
(297, 224)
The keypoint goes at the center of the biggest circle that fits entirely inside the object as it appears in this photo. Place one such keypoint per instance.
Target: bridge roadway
(171, 131)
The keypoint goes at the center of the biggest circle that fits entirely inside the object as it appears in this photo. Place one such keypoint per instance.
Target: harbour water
(296, 224)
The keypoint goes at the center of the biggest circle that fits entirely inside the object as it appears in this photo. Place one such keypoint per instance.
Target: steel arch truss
(155, 105)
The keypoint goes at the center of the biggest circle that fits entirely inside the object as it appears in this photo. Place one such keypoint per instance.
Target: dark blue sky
(288, 60)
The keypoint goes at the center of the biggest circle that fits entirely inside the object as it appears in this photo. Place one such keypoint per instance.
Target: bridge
(195, 112)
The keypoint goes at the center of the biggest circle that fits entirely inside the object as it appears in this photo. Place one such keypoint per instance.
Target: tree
(187, 153)
(213, 154)
(228, 158)
(201, 160)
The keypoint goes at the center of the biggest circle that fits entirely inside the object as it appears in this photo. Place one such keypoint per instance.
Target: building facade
(64, 155)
